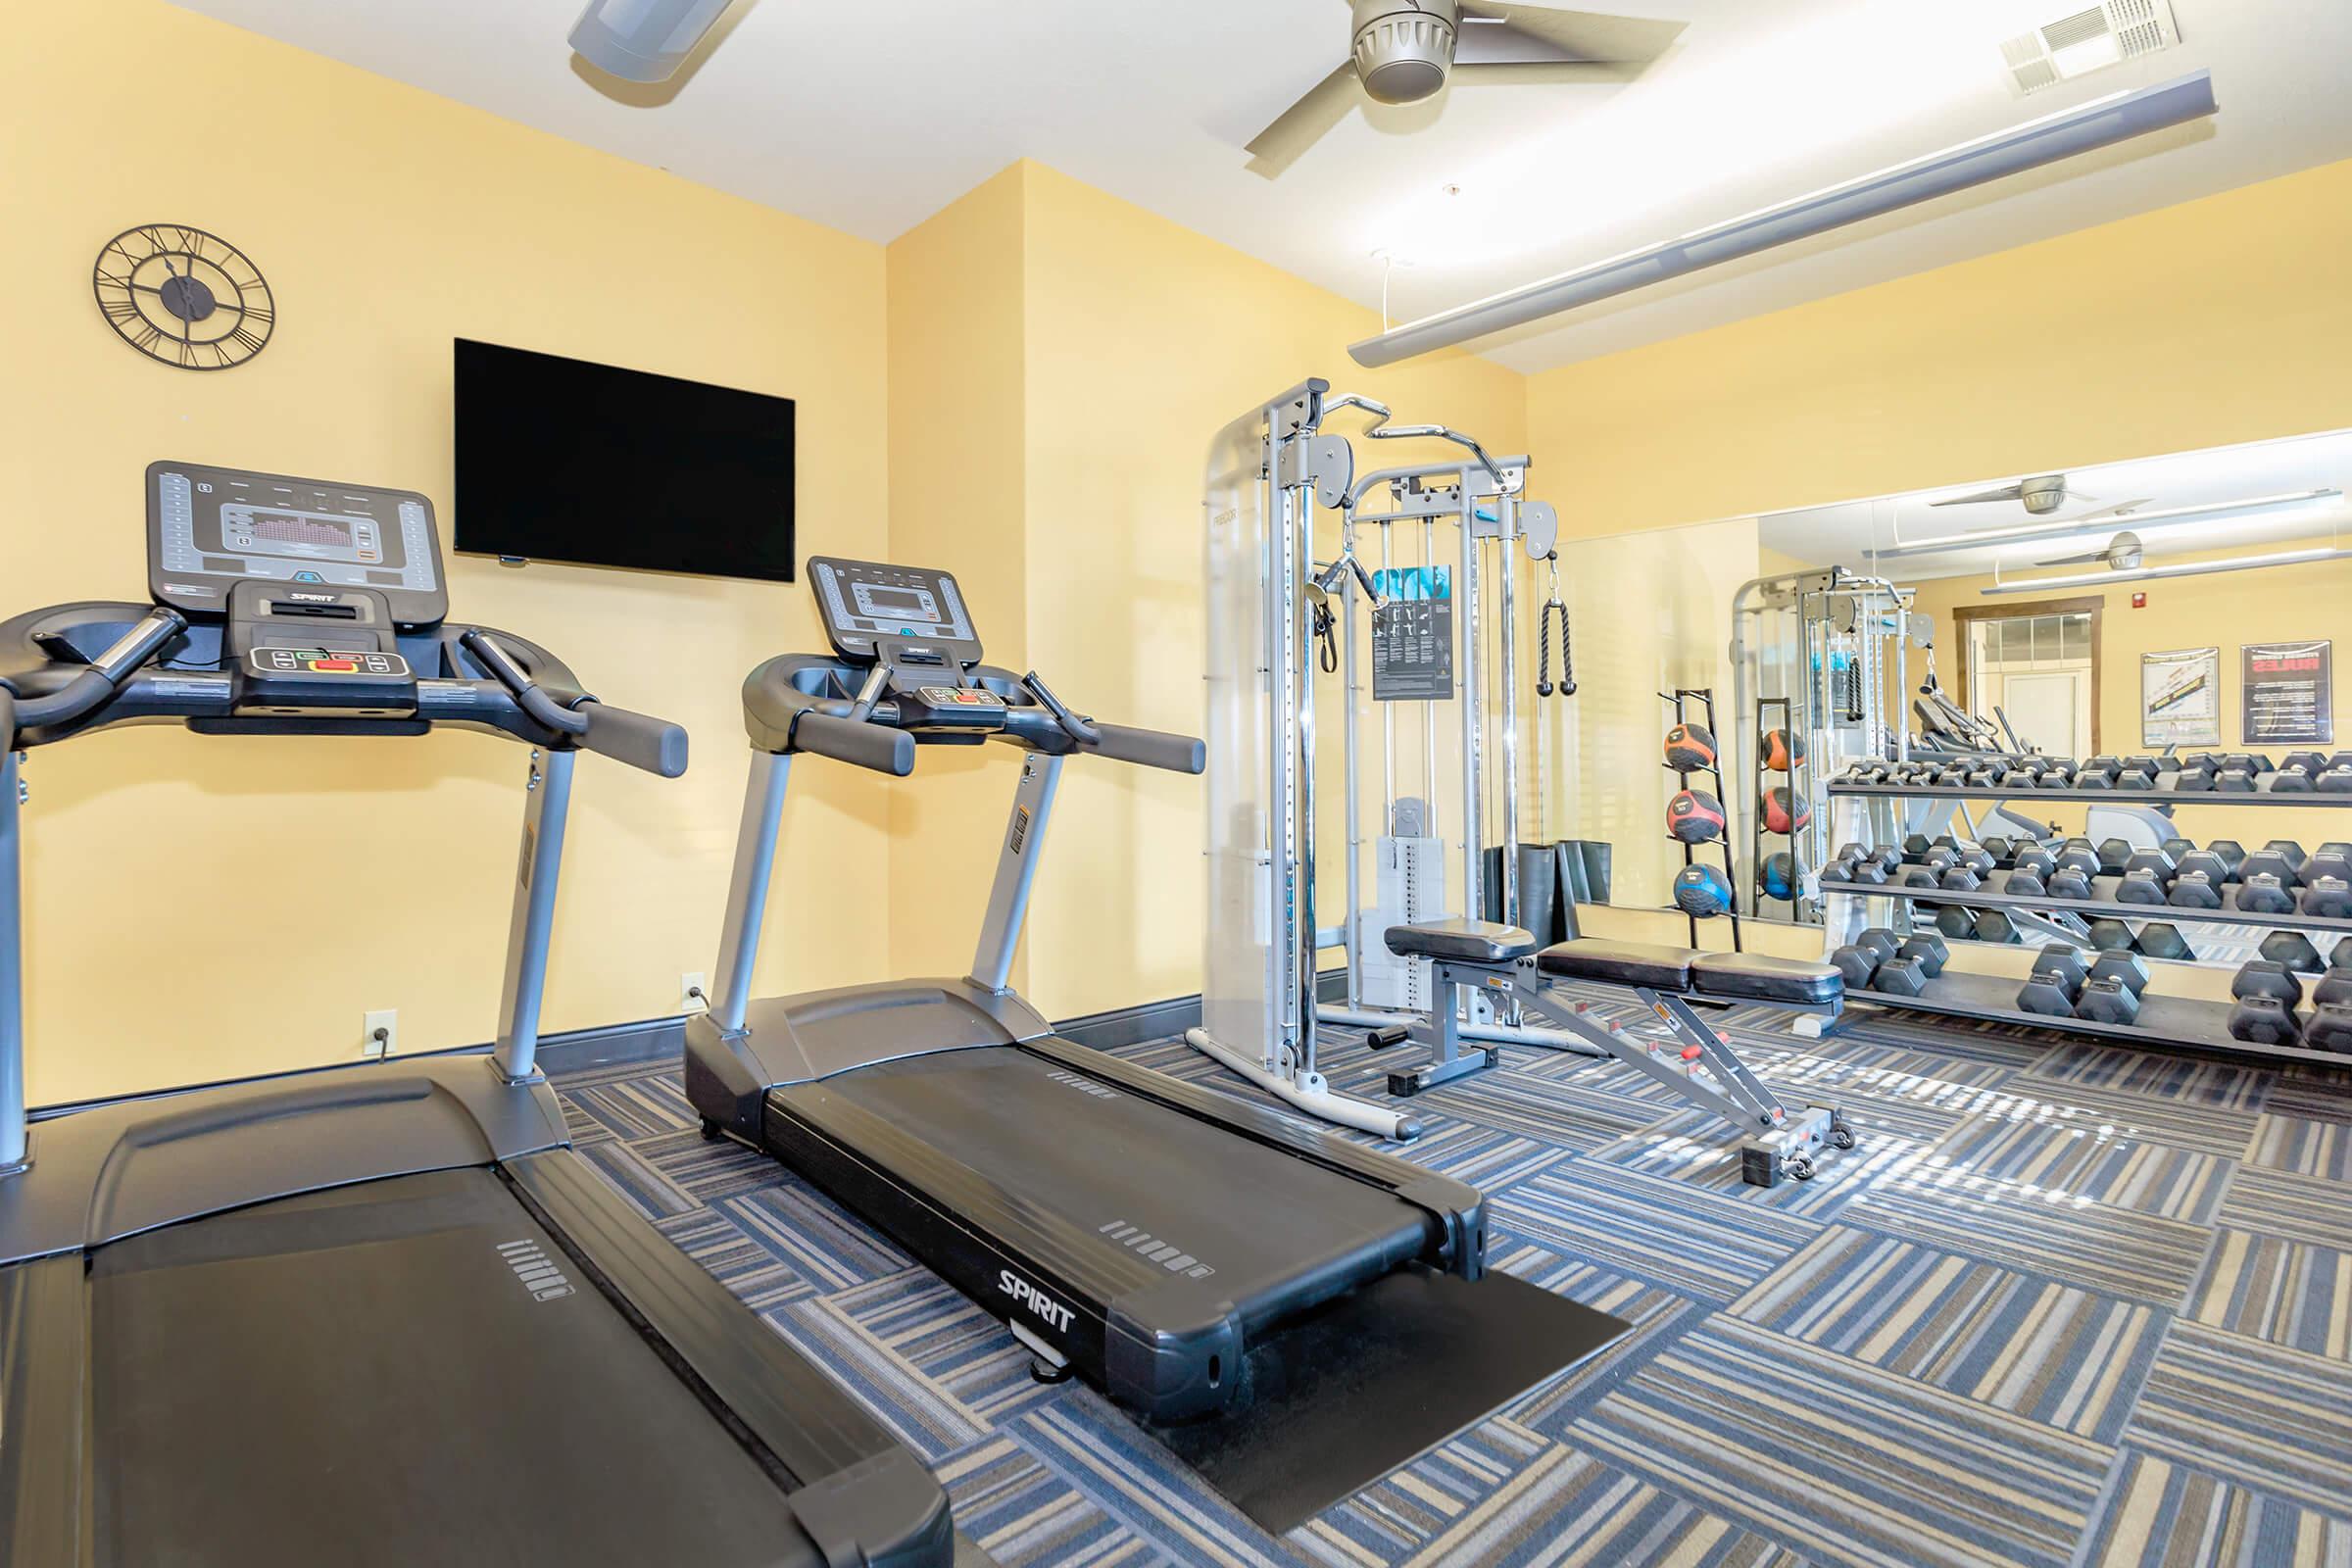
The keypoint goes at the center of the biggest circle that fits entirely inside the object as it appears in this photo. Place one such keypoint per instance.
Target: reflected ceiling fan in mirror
(1404, 51)
(2122, 553)
(2041, 495)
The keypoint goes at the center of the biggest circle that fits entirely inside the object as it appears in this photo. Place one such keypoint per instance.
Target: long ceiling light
(2109, 522)
(2100, 123)
(2186, 568)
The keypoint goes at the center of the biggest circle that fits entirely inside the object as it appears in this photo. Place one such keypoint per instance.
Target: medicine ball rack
(1801, 788)
(2186, 1022)
(1680, 700)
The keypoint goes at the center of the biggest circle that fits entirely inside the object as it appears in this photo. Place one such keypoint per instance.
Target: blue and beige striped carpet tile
(2065, 1306)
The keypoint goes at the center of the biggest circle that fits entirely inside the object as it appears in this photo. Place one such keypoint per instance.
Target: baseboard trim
(1132, 1027)
(613, 1045)
(622, 1045)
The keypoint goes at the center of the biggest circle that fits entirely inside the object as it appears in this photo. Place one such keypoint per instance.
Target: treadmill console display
(209, 529)
(862, 600)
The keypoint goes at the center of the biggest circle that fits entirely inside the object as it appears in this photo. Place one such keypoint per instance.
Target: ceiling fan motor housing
(1405, 48)
(2042, 495)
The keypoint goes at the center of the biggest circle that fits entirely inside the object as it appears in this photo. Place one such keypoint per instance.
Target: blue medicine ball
(1702, 890)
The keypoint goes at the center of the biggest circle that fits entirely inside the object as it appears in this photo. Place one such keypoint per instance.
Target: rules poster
(2290, 693)
(2180, 698)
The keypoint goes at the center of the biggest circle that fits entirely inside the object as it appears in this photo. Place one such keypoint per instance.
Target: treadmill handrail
(783, 694)
(653, 745)
(92, 686)
(162, 668)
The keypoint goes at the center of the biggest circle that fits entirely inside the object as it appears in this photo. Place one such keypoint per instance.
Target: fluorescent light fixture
(2110, 522)
(2101, 123)
(2188, 568)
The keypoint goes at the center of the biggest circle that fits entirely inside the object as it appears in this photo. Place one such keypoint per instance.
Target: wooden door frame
(1965, 616)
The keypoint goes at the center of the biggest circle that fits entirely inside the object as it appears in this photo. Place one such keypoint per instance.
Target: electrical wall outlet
(694, 993)
(387, 1022)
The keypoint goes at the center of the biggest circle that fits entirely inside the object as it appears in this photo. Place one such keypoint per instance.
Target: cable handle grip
(875, 747)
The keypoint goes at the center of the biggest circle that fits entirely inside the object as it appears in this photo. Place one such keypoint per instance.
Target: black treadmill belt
(489, 1404)
(1151, 1192)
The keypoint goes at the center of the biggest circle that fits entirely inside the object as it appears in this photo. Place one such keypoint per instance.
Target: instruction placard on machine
(1412, 639)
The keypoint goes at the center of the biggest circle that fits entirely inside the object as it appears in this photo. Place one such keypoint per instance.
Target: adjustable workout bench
(1506, 961)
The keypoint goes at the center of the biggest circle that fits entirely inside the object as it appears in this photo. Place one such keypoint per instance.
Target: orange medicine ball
(1785, 812)
(1781, 749)
(1690, 747)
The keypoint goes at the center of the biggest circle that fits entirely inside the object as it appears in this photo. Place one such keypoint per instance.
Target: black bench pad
(1619, 963)
(1468, 941)
(1753, 977)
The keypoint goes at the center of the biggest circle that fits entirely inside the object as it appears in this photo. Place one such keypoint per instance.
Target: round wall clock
(183, 296)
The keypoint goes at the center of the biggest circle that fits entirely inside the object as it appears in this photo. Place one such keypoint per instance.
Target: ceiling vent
(2087, 40)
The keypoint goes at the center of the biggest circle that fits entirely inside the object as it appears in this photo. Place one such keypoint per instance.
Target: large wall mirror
(2111, 609)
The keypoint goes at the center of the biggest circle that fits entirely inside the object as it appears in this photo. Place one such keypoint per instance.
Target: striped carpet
(2067, 1305)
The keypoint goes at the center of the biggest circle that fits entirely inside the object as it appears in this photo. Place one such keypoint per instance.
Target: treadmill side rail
(1059, 1290)
(133, 1165)
(861, 1496)
(44, 1357)
(818, 1034)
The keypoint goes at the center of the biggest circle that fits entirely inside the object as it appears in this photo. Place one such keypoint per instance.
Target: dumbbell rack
(2187, 1022)
(1680, 700)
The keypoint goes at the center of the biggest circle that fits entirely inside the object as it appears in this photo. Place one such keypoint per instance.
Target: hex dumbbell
(2293, 949)
(2056, 983)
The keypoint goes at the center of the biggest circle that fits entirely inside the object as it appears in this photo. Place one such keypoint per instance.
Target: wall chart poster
(2291, 692)
(2180, 698)
(1412, 636)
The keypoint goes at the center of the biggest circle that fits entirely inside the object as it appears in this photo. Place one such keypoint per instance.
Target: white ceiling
(1850, 533)
(870, 115)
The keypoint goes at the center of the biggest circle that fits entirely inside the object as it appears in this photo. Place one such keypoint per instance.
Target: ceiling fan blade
(1581, 35)
(1507, 72)
(2007, 492)
(2091, 558)
(2122, 509)
(1306, 122)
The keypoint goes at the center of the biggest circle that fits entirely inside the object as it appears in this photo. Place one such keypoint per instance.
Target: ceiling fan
(2122, 553)
(1404, 51)
(2041, 495)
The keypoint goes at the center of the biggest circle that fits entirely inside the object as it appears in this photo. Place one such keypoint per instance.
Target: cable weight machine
(1433, 641)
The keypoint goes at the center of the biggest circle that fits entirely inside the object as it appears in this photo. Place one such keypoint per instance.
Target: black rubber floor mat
(1345, 1397)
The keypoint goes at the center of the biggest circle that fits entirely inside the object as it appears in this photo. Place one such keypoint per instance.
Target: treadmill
(1146, 1233)
(376, 1314)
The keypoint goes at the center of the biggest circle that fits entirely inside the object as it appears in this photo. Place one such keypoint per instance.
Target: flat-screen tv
(563, 459)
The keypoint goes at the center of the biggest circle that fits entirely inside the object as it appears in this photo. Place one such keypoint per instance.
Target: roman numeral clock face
(184, 297)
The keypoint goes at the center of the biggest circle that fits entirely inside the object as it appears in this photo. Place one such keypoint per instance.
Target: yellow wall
(2219, 320)
(390, 222)
(1021, 389)
(957, 487)
(1144, 339)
